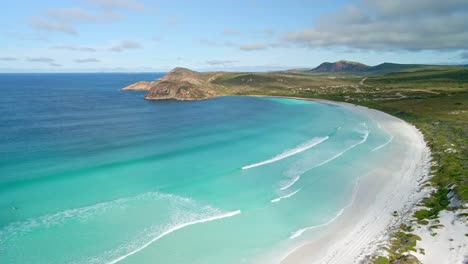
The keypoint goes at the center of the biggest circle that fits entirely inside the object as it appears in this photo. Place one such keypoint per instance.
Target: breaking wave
(384, 144)
(299, 232)
(305, 146)
(171, 229)
(285, 196)
(298, 173)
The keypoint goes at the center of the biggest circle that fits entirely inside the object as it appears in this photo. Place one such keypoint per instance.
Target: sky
(250, 35)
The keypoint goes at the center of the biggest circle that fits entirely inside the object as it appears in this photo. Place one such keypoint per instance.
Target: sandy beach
(366, 223)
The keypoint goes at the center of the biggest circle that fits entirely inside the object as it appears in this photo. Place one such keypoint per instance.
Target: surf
(365, 136)
(84, 213)
(384, 144)
(290, 182)
(284, 196)
(301, 231)
(171, 230)
(288, 153)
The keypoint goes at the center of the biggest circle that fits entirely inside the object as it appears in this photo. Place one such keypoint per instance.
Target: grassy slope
(433, 98)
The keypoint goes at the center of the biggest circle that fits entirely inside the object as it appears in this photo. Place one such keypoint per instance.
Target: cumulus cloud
(123, 4)
(87, 60)
(390, 25)
(73, 48)
(253, 46)
(220, 62)
(8, 59)
(125, 45)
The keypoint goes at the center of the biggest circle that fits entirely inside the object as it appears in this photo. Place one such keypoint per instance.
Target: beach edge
(367, 224)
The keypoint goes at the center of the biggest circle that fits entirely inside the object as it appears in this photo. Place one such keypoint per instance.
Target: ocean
(92, 174)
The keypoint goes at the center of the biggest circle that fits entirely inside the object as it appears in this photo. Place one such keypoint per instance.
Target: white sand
(447, 244)
(365, 224)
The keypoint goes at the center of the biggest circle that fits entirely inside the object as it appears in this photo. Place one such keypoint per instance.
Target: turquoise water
(91, 174)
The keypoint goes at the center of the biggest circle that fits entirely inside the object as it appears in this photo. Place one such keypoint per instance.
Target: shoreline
(365, 225)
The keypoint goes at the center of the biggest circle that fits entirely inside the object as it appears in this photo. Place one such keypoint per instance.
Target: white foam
(285, 196)
(384, 144)
(172, 229)
(290, 183)
(305, 146)
(364, 139)
(81, 213)
(299, 232)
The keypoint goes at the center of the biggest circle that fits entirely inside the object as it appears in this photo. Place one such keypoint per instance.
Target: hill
(179, 83)
(341, 66)
(388, 80)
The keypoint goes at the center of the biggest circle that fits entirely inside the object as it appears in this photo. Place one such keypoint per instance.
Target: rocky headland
(178, 84)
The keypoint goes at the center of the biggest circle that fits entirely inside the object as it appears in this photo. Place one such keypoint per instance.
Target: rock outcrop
(179, 90)
(140, 86)
(178, 84)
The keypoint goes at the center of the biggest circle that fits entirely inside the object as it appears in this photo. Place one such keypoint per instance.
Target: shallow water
(91, 174)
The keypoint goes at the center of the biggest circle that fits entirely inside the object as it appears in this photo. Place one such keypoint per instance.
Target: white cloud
(220, 62)
(253, 46)
(46, 60)
(71, 15)
(123, 4)
(44, 24)
(125, 45)
(74, 48)
(40, 59)
(8, 59)
(390, 25)
(87, 60)
(65, 19)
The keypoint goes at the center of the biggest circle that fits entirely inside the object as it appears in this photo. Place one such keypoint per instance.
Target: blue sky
(140, 35)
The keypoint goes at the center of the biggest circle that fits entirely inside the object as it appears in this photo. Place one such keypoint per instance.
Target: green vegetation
(381, 260)
(400, 244)
(433, 98)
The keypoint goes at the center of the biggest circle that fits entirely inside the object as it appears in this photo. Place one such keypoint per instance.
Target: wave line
(384, 144)
(285, 196)
(364, 139)
(299, 232)
(303, 147)
(291, 183)
(172, 229)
